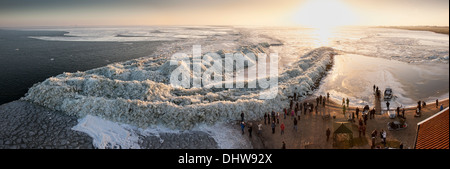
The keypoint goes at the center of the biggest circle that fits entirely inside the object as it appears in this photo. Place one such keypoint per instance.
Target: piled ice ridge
(138, 92)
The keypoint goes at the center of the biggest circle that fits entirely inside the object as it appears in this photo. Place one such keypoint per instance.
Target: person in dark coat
(265, 118)
(295, 124)
(273, 127)
(353, 117)
(328, 132)
(242, 116)
(283, 146)
(364, 130)
(357, 112)
(250, 129)
(437, 103)
(387, 105)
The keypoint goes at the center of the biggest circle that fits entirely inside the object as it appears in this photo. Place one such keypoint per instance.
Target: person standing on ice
(242, 117)
(437, 103)
(343, 101)
(387, 105)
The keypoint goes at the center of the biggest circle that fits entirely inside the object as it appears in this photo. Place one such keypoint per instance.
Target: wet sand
(312, 128)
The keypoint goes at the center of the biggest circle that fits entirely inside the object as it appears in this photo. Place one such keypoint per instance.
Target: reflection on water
(353, 76)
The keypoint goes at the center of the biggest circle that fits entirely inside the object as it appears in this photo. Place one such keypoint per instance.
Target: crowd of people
(297, 108)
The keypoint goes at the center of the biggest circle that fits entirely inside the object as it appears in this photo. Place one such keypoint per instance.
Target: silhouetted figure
(328, 132)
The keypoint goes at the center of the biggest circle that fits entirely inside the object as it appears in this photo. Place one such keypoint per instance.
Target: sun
(324, 14)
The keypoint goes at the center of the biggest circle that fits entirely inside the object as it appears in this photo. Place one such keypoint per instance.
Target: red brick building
(432, 133)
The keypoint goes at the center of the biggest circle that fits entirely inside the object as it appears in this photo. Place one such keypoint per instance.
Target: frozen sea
(130, 85)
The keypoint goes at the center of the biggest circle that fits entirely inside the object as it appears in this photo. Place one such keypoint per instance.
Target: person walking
(278, 117)
(242, 116)
(285, 113)
(343, 101)
(365, 119)
(348, 101)
(273, 127)
(373, 88)
(250, 129)
(317, 100)
(328, 95)
(282, 128)
(328, 132)
(360, 130)
(259, 128)
(292, 113)
(383, 135)
(284, 145)
(373, 113)
(437, 103)
(374, 134)
(343, 109)
(387, 105)
(442, 107)
(357, 112)
(373, 143)
(324, 101)
(268, 119)
(242, 127)
(265, 118)
(364, 130)
(419, 104)
(353, 117)
(295, 124)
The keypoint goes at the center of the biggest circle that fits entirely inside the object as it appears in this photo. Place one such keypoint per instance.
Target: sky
(314, 13)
